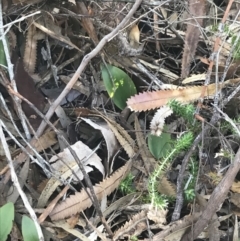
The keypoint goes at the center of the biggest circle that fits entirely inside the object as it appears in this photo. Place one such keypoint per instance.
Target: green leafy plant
(165, 150)
(118, 84)
(181, 144)
(185, 111)
(29, 230)
(126, 186)
(6, 220)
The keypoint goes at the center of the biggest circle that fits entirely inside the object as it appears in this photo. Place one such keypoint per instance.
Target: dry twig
(17, 184)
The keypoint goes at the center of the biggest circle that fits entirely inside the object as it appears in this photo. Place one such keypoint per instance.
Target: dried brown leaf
(157, 216)
(30, 53)
(87, 23)
(166, 187)
(64, 225)
(27, 89)
(80, 201)
(73, 220)
(134, 36)
(110, 139)
(175, 230)
(131, 226)
(235, 187)
(235, 199)
(59, 162)
(46, 140)
(151, 100)
(194, 78)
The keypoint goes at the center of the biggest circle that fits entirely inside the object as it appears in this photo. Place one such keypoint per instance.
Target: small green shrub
(183, 143)
(29, 230)
(126, 186)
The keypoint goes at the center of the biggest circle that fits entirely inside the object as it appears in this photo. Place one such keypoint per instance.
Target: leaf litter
(95, 154)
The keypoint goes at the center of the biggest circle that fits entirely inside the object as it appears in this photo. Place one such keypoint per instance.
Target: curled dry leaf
(110, 139)
(122, 136)
(158, 120)
(59, 162)
(80, 201)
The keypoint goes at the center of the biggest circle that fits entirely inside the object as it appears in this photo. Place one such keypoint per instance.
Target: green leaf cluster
(126, 186)
(164, 149)
(29, 230)
(183, 143)
(185, 111)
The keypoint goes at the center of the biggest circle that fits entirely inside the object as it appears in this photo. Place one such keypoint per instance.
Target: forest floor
(119, 120)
